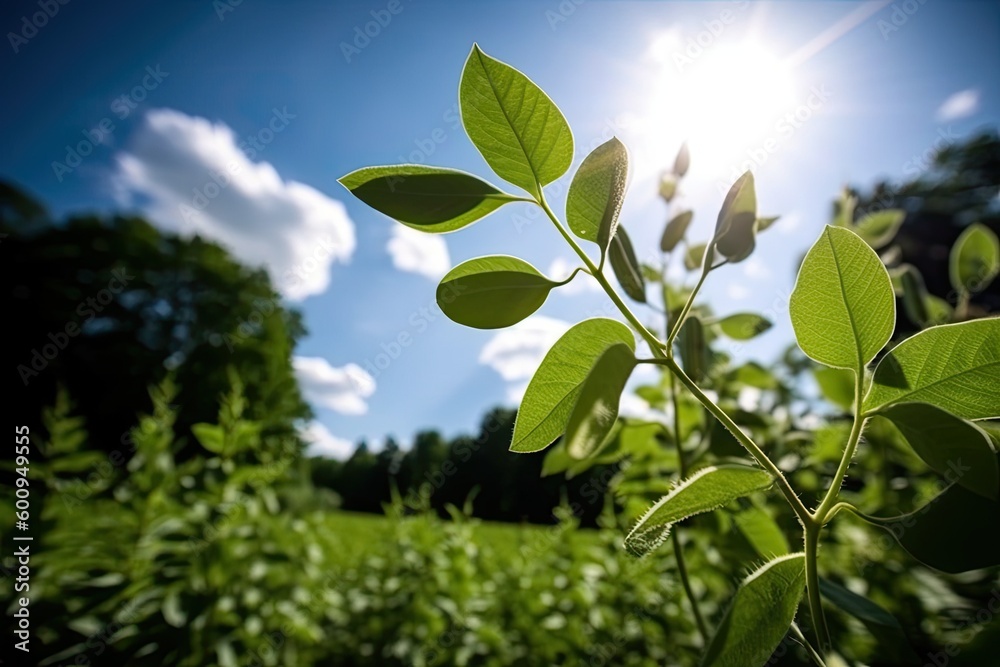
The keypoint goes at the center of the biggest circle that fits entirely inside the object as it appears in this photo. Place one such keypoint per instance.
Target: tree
(959, 187)
(107, 306)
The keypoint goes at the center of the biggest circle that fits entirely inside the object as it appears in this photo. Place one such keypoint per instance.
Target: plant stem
(813, 653)
(682, 571)
(812, 587)
(755, 451)
(675, 533)
(654, 343)
(845, 461)
(823, 514)
(675, 329)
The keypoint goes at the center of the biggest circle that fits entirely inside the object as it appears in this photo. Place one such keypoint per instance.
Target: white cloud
(418, 252)
(192, 176)
(737, 292)
(516, 352)
(323, 443)
(560, 270)
(960, 105)
(788, 223)
(342, 389)
(754, 268)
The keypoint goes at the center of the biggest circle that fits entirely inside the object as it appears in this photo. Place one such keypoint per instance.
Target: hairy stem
(812, 588)
(675, 533)
(813, 653)
(654, 342)
(686, 582)
(755, 451)
(857, 428)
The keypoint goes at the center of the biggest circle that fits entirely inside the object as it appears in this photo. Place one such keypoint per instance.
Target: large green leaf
(596, 194)
(736, 227)
(842, 307)
(430, 199)
(596, 407)
(880, 227)
(549, 399)
(744, 326)
(519, 131)
(708, 489)
(956, 531)
(675, 230)
(492, 292)
(892, 642)
(975, 259)
(953, 366)
(959, 450)
(626, 266)
(759, 616)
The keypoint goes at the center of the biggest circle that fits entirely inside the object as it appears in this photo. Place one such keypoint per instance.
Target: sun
(722, 99)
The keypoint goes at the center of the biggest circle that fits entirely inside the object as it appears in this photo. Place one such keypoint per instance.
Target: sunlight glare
(723, 101)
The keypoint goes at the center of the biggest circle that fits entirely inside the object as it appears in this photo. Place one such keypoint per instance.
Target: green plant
(932, 387)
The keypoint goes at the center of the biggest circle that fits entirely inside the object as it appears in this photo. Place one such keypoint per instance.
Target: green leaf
(668, 186)
(694, 256)
(842, 308)
(211, 437)
(558, 460)
(836, 385)
(430, 199)
(884, 627)
(954, 366)
(650, 273)
(172, 611)
(675, 230)
(762, 532)
(975, 259)
(911, 288)
(626, 266)
(708, 489)
(954, 532)
(759, 616)
(753, 374)
(877, 229)
(764, 223)
(519, 131)
(683, 161)
(694, 351)
(744, 326)
(939, 311)
(596, 194)
(596, 407)
(735, 228)
(549, 399)
(958, 449)
(492, 292)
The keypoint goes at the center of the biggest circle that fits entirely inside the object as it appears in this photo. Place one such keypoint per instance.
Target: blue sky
(810, 95)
